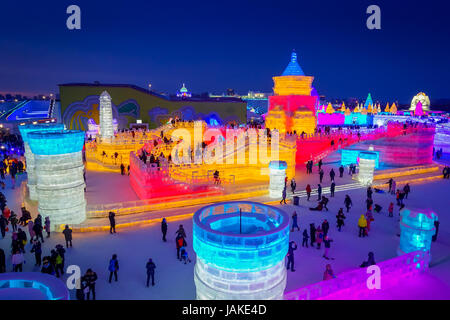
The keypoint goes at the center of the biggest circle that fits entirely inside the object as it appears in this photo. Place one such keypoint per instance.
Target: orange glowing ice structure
(293, 95)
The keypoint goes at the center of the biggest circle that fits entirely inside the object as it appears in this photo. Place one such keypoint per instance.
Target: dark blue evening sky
(213, 45)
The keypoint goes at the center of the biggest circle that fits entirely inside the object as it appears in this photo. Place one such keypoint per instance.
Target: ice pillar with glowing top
(59, 175)
(416, 230)
(240, 249)
(106, 116)
(24, 130)
(277, 175)
(367, 162)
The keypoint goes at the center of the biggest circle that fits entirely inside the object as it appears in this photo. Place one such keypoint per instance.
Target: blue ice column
(240, 249)
(24, 130)
(416, 230)
(59, 175)
(277, 175)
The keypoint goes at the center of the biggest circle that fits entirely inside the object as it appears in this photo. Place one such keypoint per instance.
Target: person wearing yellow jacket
(362, 224)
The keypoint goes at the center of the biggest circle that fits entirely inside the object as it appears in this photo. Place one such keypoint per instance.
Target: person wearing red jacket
(308, 191)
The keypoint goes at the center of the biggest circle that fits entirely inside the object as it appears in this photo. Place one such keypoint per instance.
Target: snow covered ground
(174, 280)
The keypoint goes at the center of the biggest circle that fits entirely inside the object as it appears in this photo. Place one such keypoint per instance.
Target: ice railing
(51, 287)
(353, 284)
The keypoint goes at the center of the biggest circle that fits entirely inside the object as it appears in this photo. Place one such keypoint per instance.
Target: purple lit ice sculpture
(417, 229)
(240, 249)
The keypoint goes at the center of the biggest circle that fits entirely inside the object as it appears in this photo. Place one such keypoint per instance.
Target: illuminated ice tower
(277, 175)
(367, 163)
(240, 249)
(59, 175)
(417, 228)
(295, 96)
(24, 130)
(106, 117)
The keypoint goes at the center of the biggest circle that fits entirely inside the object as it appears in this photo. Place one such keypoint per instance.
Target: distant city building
(184, 92)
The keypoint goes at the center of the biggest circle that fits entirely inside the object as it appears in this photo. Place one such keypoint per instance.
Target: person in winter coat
(370, 261)
(112, 222)
(321, 173)
(348, 202)
(90, 277)
(180, 242)
(319, 207)
(294, 222)
(22, 238)
(290, 255)
(369, 193)
(325, 227)
(340, 217)
(308, 192)
(436, 226)
(283, 194)
(2, 261)
(319, 192)
(13, 220)
(181, 231)
(113, 267)
(3, 225)
(6, 213)
(47, 266)
(37, 228)
(305, 238)
(390, 182)
(324, 202)
(293, 185)
(362, 224)
(68, 236)
(56, 260)
(312, 232)
(319, 237)
(369, 219)
(31, 230)
(393, 187)
(81, 289)
(328, 274)
(391, 209)
(37, 252)
(327, 244)
(61, 251)
(150, 266)
(401, 196)
(332, 188)
(341, 171)
(164, 229)
(47, 226)
(332, 175)
(17, 261)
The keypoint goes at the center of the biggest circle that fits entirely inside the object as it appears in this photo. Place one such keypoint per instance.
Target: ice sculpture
(106, 116)
(277, 174)
(59, 175)
(417, 228)
(24, 130)
(240, 249)
(367, 161)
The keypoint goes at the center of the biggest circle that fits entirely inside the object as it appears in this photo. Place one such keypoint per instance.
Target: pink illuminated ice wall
(352, 285)
(334, 119)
